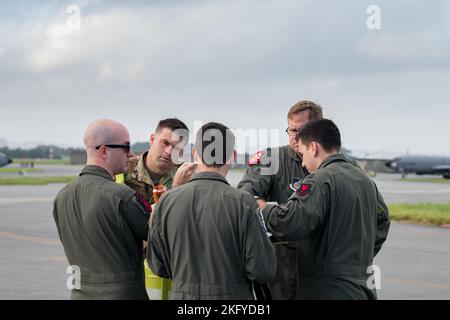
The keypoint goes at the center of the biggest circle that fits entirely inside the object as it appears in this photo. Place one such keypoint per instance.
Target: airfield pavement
(414, 261)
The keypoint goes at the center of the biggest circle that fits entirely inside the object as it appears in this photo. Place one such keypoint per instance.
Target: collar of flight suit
(140, 172)
(333, 158)
(294, 155)
(96, 170)
(209, 176)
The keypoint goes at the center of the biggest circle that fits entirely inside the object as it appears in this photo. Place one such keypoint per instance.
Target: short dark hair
(172, 124)
(322, 131)
(222, 150)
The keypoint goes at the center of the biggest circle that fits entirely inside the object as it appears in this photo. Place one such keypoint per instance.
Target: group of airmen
(309, 229)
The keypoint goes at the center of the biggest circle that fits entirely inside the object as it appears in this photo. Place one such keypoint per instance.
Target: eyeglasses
(291, 132)
(125, 146)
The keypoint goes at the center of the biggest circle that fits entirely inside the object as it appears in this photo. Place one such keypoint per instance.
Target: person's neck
(223, 170)
(101, 164)
(152, 168)
(323, 156)
(294, 150)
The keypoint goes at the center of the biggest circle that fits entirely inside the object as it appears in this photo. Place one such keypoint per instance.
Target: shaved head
(108, 145)
(103, 131)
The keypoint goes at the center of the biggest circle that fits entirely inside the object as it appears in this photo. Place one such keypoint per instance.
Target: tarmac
(414, 262)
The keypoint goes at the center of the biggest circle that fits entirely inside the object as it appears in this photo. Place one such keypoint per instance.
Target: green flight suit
(138, 177)
(102, 225)
(342, 221)
(278, 186)
(209, 238)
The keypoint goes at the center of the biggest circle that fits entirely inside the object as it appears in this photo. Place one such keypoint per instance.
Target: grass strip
(35, 180)
(424, 213)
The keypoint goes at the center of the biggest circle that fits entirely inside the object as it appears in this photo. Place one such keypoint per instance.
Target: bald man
(102, 224)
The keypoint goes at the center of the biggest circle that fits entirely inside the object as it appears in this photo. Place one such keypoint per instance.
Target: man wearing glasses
(278, 187)
(102, 224)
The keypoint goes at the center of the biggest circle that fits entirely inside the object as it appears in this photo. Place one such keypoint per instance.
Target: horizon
(380, 72)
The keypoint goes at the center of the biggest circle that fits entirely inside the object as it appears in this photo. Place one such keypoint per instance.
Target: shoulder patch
(295, 184)
(144, 203)
(304, 190)
(256, 159)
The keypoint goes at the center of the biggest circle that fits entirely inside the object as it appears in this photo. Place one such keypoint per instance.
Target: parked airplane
(421, 165)
(4, 160)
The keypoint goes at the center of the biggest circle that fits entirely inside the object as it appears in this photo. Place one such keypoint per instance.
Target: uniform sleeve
(156, 250)
(302, 214)
(383, 223)
(260, 259)
(136, 215)
(56, 217)
(256, 183)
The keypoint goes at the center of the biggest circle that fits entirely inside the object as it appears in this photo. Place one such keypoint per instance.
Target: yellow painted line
(415, 283)
(40, 240)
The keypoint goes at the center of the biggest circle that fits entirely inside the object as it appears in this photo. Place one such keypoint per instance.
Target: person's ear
(315, 148)
(102, 151)
(195, 156)
(152, 138)
(233, 158)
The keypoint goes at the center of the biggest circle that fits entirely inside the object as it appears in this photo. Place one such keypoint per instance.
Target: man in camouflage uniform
(102, 224)
(272, 175)
(339, 216)
(158, 169)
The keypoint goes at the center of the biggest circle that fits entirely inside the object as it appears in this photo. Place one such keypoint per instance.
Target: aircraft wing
(441, 167)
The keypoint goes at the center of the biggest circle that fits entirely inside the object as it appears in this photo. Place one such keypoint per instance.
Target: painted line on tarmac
(10, 201)
(416, 283)
(39, 240)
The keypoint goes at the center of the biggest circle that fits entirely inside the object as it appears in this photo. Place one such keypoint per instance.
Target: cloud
(241, 62)
(221, 41)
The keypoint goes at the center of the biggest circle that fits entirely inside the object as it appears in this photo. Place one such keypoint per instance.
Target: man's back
(345, 241)
(209, 240)
(102, 231)
(336, 255)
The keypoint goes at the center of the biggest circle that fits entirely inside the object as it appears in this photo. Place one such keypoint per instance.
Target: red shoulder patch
(304, 190)
(144, 203)
(256, 159)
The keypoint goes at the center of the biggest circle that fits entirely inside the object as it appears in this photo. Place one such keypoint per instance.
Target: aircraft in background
(4, 160)
(421, 165)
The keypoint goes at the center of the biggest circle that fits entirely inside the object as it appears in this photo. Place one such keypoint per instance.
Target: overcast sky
(242, 63)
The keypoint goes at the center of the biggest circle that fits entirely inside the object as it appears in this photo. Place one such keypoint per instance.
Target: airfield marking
(40, 240)
(5, 201)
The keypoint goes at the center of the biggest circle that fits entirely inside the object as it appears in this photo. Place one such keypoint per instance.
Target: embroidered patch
(295, 184)
(304, 190)
(256, 159)
(144, 203)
